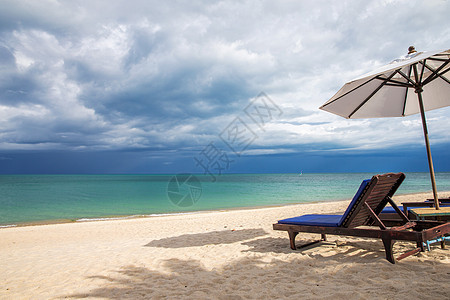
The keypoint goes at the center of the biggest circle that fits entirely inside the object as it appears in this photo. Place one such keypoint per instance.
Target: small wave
(133, 217)
(173, 214)
(7, 226)
(107, 219)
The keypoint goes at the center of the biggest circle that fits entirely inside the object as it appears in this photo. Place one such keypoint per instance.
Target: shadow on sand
(208, 238)
(335, 277)
(353, 269)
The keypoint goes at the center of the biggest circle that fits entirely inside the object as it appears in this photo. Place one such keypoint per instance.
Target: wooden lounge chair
(428, 203)
(389, 213)
(361, 216)
(441, 200)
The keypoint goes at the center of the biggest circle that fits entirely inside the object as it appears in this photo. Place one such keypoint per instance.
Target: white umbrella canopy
(416, 83)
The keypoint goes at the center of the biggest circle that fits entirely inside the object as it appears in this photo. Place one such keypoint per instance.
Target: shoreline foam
(134, 216)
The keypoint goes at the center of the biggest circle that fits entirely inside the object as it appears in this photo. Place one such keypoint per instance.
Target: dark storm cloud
(172, 75)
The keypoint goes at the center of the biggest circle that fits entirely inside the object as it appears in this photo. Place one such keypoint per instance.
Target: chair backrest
(375, 192)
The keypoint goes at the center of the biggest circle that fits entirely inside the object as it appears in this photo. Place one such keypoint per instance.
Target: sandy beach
(211, 255)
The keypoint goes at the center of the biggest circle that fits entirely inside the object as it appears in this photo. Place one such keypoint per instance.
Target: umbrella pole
(427, 144)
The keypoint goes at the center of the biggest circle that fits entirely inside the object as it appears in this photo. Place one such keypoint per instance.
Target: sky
(207, 86)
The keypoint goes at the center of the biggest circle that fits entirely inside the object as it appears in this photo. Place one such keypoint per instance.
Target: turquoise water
(35, 198)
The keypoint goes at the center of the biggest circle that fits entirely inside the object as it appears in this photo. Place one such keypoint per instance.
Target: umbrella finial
(411, 50)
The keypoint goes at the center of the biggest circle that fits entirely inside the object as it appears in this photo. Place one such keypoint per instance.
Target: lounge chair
(370, 199)
(441, 200)
(427, 203)
(389, 212)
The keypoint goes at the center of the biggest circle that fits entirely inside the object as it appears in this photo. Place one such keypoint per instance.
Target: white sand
(213, 255)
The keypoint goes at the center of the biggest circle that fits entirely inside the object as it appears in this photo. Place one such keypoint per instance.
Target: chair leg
(292, 236)
(421, 245)
(388, 244)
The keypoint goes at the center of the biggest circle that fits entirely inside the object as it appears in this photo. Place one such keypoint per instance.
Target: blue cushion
(357, 195)
(326, 220)
(314, 220)
(390, 210)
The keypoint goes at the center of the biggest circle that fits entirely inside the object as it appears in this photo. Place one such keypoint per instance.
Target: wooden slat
(431, 211)
(412, 252)
(380, 187)
(406, 226)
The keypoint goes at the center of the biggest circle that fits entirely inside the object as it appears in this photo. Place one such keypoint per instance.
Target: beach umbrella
(415, 83)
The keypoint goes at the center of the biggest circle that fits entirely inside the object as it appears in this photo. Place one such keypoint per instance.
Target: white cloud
(114, 75)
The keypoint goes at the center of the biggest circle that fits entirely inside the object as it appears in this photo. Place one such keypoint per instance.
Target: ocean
(50, 198)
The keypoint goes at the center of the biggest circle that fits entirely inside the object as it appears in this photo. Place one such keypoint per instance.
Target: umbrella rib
(406, 93)
(416, 74)
(407, 78)
(393, 82)
(435, 72)
(423, 69)
(437, 59)
(439, 75)
(442, 77)
(398, 84)
(362, 84)
(385, 81)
